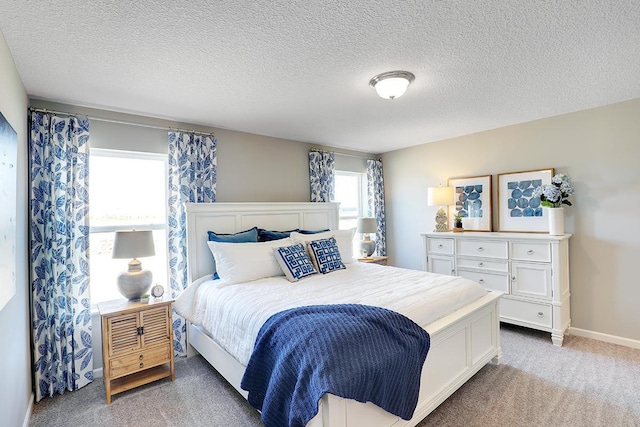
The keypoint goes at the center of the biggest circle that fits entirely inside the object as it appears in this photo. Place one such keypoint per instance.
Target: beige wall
(251, 168)
(598, 148)
(15, 357)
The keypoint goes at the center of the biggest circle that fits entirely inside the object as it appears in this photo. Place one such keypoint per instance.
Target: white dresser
(532, 271)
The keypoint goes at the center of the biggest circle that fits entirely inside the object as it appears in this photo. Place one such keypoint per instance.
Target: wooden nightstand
(382, 260)
(137, 343)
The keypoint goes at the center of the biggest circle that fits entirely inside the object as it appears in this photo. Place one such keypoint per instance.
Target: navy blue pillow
(311, 231)
(269, 235)
(246, 236)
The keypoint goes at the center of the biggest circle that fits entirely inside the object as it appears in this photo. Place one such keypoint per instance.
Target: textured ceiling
(300, 69)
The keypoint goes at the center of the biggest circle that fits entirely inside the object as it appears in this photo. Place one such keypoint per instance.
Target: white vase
(556, 221)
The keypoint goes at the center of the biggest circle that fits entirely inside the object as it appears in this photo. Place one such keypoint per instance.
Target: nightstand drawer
(531, 251)
(440, 246)
(140, 360)
(527, 312)
(483, 248)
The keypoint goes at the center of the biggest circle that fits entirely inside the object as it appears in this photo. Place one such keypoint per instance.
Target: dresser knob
(540, 314)
(530, 251)
(481, 264)
(440, 246)
(141, 365)
(141, 356)
(480, 249)
(513, 278)
(481, 281)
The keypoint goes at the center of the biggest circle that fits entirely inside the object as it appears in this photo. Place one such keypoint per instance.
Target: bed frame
(461, 343)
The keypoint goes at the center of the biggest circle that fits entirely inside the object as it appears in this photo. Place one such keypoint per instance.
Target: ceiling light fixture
(392, 84)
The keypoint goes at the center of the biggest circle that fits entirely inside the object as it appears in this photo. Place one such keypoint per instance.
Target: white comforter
(233, 314)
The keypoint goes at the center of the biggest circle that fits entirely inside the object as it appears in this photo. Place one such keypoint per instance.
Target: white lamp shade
(133, 244)
(440, 196)
(366, 225)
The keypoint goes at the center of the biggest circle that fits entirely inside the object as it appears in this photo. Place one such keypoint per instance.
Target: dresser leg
(557, 338)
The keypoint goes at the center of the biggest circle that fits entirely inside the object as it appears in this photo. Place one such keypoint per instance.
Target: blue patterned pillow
(325, 255)
(246, 236)
(294, 261)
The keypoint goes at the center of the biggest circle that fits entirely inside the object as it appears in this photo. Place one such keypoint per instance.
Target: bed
(462, 341)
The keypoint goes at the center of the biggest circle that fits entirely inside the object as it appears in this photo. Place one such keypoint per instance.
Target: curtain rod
(120, 122)
(347, 155)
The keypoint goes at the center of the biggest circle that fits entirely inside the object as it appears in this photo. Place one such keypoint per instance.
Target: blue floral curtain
(322, 175)
(59, 245)
(192, 178)
(375, 187)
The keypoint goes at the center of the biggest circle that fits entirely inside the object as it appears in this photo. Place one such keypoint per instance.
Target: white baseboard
(613, 339)
(27, 416)
(97, 373)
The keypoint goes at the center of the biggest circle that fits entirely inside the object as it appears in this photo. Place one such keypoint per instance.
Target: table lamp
(135, 282)
(440, 196)
(366, 226)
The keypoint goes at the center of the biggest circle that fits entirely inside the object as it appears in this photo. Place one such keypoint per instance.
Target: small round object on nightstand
(157, 291)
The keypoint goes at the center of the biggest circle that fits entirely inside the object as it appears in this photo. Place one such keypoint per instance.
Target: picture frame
(473, 200)
(8, 213)
(518, 210)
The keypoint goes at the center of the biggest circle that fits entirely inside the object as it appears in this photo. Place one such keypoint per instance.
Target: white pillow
(344, 239)
(243, 262)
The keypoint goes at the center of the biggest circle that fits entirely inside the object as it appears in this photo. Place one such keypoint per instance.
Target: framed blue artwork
(8, 201)
(518, 209)
(472, 202)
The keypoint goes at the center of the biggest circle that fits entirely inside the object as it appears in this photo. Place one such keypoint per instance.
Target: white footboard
(461, 344)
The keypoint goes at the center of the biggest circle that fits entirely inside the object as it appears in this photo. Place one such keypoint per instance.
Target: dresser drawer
(531, 251)
(440, 246)
(140, 360)
(481, 264)
(483, 248)
(493, 282)
(527, 312)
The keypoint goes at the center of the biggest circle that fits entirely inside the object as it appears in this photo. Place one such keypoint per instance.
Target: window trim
(139, 155)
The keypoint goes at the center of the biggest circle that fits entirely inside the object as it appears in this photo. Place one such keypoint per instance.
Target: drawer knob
(141, 365)
(480, 249)
(530, 251)
(513, 278)
(481, 264)
(440, 246)
(141, 356)
(453, 272)
(540, 314)
(481, 281)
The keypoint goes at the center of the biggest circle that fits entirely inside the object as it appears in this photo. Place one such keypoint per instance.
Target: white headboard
(234, 217)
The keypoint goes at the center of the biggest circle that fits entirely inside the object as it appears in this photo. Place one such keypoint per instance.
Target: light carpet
(583, 383)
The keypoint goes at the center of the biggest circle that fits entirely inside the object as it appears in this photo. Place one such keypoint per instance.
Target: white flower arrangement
(555, 195)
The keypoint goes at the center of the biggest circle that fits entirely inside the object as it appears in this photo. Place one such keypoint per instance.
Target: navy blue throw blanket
(352, 351)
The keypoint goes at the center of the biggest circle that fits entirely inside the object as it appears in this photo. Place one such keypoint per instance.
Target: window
(351, 192)
(127, 191)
